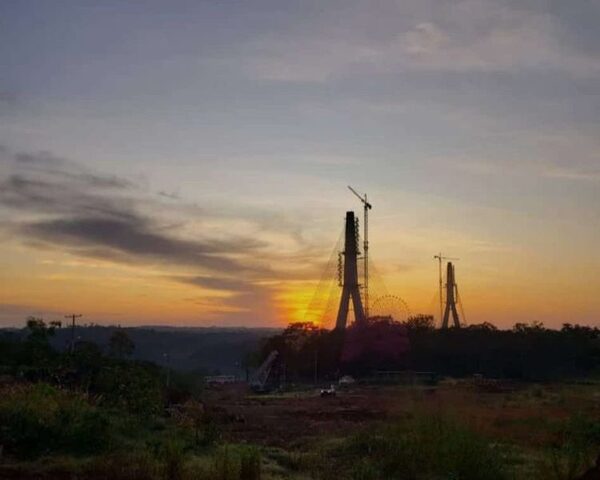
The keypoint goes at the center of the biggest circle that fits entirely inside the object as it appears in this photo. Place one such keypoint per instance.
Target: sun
(299, 302)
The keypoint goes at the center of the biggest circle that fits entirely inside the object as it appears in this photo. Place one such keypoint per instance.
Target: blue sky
(473, 126)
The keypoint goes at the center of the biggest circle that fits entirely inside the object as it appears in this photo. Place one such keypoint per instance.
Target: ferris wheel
(390, 306)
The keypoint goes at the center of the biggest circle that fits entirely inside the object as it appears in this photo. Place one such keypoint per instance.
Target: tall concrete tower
(451, 291)
(350, 287)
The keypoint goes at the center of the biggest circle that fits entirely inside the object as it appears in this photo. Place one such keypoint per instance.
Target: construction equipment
(366, 206)
(328, 392)
(439, 258)
(260, 379)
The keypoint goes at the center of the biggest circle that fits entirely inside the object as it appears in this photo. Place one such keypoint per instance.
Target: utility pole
(168, 359)
(439, 257)
(73, 316)
(367, 206)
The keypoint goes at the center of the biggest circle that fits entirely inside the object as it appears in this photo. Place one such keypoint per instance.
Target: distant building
(219, 379)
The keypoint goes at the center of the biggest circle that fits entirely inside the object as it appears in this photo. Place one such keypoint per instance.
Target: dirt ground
(521, 414)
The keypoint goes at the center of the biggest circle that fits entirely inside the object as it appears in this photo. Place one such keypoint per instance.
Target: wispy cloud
(55, 204)
(576, 174)
(469, 35)
(133, 240)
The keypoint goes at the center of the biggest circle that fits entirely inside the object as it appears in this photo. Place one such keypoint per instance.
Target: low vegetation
(100, 414)
(96, 413)
(41, 419)
(424, 447)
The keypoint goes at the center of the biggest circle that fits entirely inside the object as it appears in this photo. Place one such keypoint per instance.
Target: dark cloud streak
(217, 283)
(29, 193)
(133, 238)
(107, 217)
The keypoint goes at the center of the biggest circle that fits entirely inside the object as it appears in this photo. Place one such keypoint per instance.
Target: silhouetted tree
(40, 331)
(485, 326)
(120, 345)
(420, 322)
(37, 347)
(528, 351)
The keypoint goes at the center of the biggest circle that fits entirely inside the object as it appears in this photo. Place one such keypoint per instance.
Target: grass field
(456, 430)
(529, 431)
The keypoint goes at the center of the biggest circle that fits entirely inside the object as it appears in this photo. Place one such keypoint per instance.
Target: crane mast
(366, 206)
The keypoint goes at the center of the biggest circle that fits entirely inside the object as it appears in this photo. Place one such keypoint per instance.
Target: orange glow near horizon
(510, 286)
(111, 293)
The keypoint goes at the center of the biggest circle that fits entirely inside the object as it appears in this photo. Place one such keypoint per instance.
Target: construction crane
(439, 257)
(261, 377)
(367, 206)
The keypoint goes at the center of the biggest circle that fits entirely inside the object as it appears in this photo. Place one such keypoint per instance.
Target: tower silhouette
(350, 287)
(451, 293)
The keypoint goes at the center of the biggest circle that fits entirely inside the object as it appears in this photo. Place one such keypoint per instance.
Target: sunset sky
(186, 163)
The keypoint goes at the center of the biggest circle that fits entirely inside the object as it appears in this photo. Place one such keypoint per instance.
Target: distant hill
(203, 349)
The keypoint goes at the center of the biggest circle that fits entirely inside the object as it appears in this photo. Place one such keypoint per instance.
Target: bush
(126, 466)
(364, 471)
(173, 460)
(249, 464)
(131, 387)
(39, 418)
(237, 463)
(424, 447)
(574, 452)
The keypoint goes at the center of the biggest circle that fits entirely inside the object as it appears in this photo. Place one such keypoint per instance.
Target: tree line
(529, 352)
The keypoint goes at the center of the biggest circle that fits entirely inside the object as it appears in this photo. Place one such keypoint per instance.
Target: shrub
(126, 466)
(131, 387)
(364, 471)
(424, 447)
(225, 467)
(39, 418)
(574, 451)
(173, 461)
(249, 464)
(237, 463)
